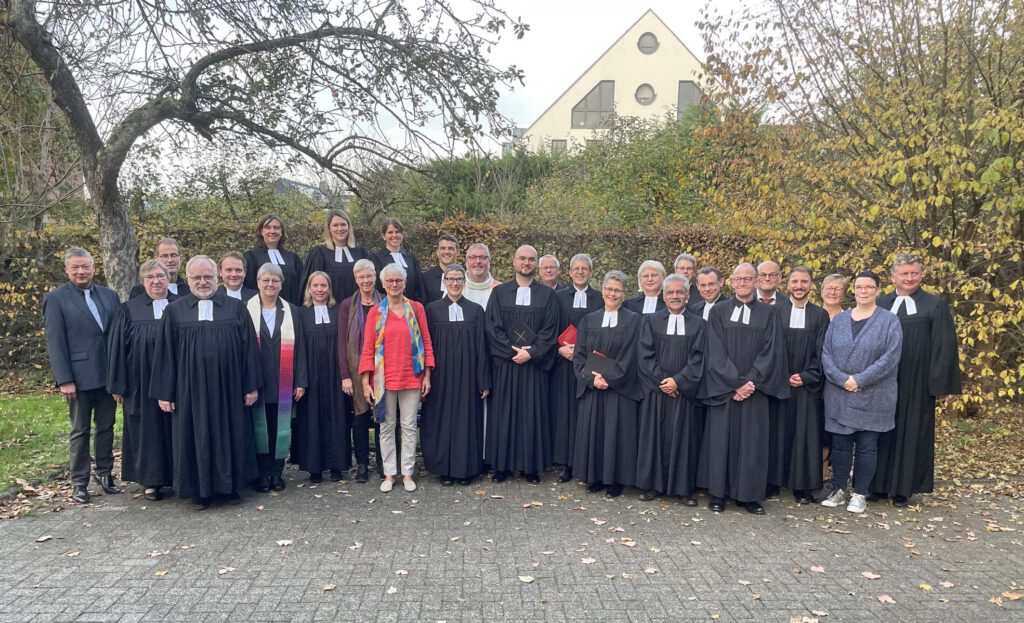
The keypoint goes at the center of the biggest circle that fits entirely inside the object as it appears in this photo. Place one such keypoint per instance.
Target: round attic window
(645, 95)
(647, 43)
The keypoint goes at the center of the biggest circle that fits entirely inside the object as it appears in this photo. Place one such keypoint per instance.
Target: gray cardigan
(872, 360)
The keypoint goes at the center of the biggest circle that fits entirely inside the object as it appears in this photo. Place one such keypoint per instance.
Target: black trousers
(361, 437)
(90, 404)
(269, 466)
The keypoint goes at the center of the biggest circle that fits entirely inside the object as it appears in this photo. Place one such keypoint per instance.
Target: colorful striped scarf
(418, 357)
(286, 378)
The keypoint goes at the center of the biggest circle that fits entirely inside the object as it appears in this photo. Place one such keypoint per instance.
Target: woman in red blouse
(395, 365)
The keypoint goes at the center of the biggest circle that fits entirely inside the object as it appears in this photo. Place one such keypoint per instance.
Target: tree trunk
(119, 246)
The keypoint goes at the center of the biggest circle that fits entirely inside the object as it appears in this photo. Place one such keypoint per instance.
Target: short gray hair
(479, 245)
(363, 264)
(270, 268)
(687, 257)
(906, 258)
(673, 278)
(393, 268)
(77, 252)
(200, 258)
(454, 268)
(614, 275)
(834, 277)
(149, 265)
(544, 257)
(582, 257)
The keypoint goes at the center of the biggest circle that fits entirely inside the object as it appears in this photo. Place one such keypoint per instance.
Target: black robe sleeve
(944, 371)
(688, 379)
(252, 373)
(769, 370)
(497, 338)
(546, 344)
(301, 372)
(117, 352)
(721, 378)
(483, 372)
(164, 381)
(651, 373)
(813, 375)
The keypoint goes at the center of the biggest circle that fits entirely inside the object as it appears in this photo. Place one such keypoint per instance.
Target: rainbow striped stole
(286, 379)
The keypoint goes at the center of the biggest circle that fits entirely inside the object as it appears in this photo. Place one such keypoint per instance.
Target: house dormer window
(648, 43)
(592, 111)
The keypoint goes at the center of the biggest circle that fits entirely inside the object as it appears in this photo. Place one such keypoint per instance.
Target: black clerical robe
(635, 304)
(414, 287)
(671, 427)
(432, 281)
(697, 305)
(734, 456)
(452, 421)
(563, 379)
(517, 434)
(606, 425)
(322, 439)
(206, 368)
(794, 453)
(244, 293)
(179, 283)
(929, 369)
(293, 287)
(146, 448)
(343, 282)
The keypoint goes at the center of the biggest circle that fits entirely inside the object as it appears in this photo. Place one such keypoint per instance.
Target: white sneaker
(410, 485)
(836, 499)
(857, 503)
(387, 485)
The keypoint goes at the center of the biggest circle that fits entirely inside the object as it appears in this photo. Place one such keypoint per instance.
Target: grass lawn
(34, 436)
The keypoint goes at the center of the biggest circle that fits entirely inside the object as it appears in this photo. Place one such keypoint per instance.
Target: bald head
(768, 276)
(743, 277)
(525, 262)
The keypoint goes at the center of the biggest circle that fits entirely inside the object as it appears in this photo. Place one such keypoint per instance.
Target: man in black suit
(168, 251)
(77, 317)
(447, 254)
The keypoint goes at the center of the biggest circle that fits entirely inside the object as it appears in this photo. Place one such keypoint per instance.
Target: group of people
(676, 389)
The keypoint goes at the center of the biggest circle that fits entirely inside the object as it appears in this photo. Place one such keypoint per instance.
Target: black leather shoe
(336, 475)
(565, 476)
(108, 485)
(362, 473)
(462, 482)
(499, 477)
(153, 494)
(716, 505)
(613, 491)
(802, 497)
(533, 479)
(874, 497)
(262, 484)
(316, 478)
(771, 491)
(200, 504)
(691, 500)
(81, 494)
(647, 496)
(277, 483)
(594, 487)
(900, 501)
(446, 481)
(234, 498)
(754, 508)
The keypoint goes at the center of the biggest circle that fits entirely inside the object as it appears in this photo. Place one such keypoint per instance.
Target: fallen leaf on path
(869, 575)
(547, 553)
(1012, 596)
(650, 570)
(997, 601)
(818, 569)
(160, 574)
(886, 599)
(925, 586)
(819, 613)
(355, 545)
(588, 561)
(946, 584)
(44, 538)
(224, 570)
(744, 582)
(392, 590)
(329, 587)
(284, 542)
(526, 579)
(71, 554)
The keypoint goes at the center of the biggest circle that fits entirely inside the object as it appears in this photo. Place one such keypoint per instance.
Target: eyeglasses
(266, 281)
(160, 277)
(741, 280)
(394, 282)
(612, 290)
(768, 275)
(201, 278)
(454, 279)
(832, 289)
(867, 288)
(477, 257)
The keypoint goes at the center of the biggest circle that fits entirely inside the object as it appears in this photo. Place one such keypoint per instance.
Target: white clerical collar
(741, 313)
(579, 298)
(235, 294)
(707, 308)
(399, 259)
(797, 317)
(650, 304)
(342, 255)
(320, 315)
(455, 313)
(275, 257)
(206, 310)
(173, 287)
(676, 325)
(158, 308)
(523, 295)
(907, 301)
(610, 319)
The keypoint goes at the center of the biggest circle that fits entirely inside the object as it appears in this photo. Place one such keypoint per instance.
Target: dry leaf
(71, 554)
(284, 542)
(1012, 596)
(160, 574)
(818, 569)
(454, 538)
(744, 582)
(819, 613)
(715, 616)
(886, 599)
(401, 572)
(755, 596)
(588, 561)
(356, 545)
(650, 570)
(547, 553)
(497, 497)
(694, 542)
(225, 570)
(598, 522)
(329, 587)
(44, 538)
(392, 590)
(997, 601)
(869, 575)
(627, 576)
(925, 586)
(260, 507)
(526, 579)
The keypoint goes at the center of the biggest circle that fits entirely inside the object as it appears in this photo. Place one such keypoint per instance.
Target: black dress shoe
(802, 497)
(234, 498)
(900, 501)
(81, 494)
(874, 497)
(533, 479)
(499, 477)
(446, 481)
(691, 500)
(336, 475)
(316, 478)
(771, 491)
(362, 473)
(717, 505)
(153, 494)
(262, 484)
(613, 491)
(565, 476)
(200, 504)
(754, 508)
(108, 485)
(647, 496)
(594, 487)
(277, 483)
(464, 481)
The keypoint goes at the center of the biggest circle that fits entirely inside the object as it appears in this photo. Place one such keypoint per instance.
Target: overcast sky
(567, 36)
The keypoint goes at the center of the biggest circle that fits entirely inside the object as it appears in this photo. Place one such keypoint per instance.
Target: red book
(568, 336)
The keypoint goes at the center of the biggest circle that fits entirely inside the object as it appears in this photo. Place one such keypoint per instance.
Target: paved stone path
(339, 552)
